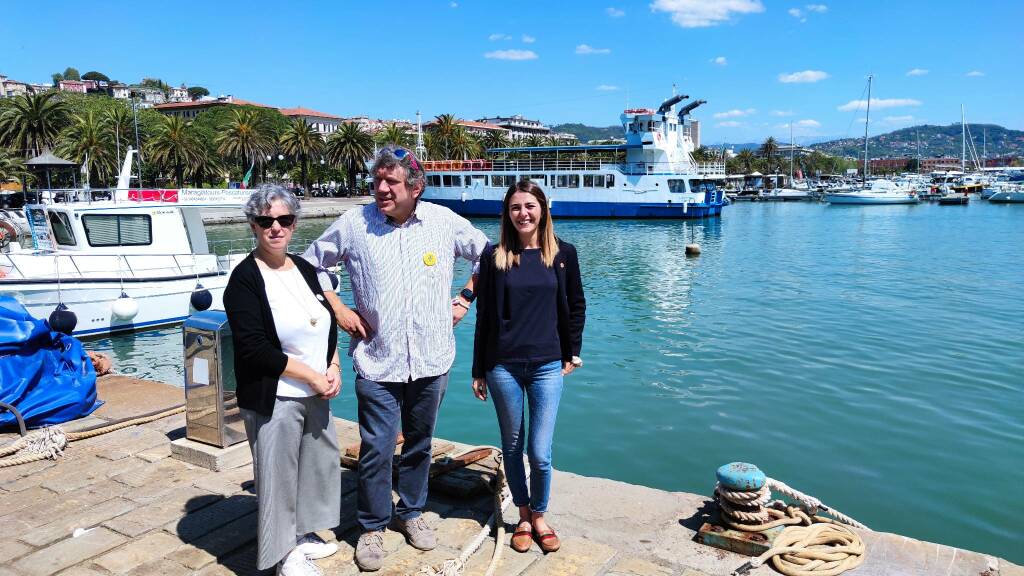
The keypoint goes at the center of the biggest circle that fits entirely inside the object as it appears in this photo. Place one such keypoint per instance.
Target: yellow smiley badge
(429, 258)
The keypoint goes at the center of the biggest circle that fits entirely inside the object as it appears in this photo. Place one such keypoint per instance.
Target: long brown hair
(506, 254)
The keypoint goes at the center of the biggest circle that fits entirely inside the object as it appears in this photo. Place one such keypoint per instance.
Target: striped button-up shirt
(401, 279)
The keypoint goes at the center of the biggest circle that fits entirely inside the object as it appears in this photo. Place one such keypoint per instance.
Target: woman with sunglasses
(529, 331)
(286, 370)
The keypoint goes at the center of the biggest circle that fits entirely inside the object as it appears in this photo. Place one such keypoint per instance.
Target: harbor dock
(121, 503)
(311, 208)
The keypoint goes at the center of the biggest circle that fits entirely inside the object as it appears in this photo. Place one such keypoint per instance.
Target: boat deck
(145, 513)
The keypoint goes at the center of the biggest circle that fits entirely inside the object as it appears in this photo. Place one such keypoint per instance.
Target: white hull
(1007, 197)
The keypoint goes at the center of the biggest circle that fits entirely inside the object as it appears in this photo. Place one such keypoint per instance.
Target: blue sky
(760, 64)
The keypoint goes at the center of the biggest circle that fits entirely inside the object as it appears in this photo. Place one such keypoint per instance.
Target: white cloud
(704, 13)
(730, 124)
(807, 76)
(720, 60)
(453, 4)
(879, 103)
(527, 39)
(819, 8)
(607, 88)
(808, 123)
(917, 72)
(512, 55)
(781, 112)
(973, 73)
(498, 36)
(734, 113)
(795, 12)
(615, 12)
(586, 50)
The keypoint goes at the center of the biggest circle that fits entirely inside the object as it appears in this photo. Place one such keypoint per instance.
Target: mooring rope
(810, 545)
(502, 500)
(50, 442)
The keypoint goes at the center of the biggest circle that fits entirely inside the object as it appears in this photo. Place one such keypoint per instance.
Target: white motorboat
(880, 192)
(1007, 193)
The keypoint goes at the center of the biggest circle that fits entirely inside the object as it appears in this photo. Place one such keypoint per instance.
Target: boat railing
(527, 165)
(47, 266)
(135, 196)
(545, 165)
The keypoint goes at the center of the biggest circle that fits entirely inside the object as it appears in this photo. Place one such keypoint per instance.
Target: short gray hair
(260, 200)
(386, 159)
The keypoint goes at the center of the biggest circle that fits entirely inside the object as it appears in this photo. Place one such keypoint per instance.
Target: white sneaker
(314, 547)
(297, 564)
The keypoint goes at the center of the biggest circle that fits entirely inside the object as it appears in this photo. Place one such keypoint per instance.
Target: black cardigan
(490, 288)
(259, 361)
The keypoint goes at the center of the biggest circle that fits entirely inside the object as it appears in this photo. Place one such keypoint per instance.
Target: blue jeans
(384, 409)
(511, 385)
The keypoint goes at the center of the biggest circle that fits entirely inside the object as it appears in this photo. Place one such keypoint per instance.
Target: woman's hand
(567, 368)
(334, 381)
(317, 383)
(480, 389)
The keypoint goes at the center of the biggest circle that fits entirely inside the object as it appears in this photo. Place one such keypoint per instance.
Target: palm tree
(175, 144)
(746, 160)
(769, 149)
(86, 142)
(495, 139)
(349, 146)
(32, 122)
(12, 167)
(533, 140)
(444, 129)
(704, 154)
(395, 135)
(206, 163)
(301, 141)
(118, 121)
(247, 137)
(463, 144)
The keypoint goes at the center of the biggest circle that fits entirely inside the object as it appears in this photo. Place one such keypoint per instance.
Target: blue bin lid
(212, 320)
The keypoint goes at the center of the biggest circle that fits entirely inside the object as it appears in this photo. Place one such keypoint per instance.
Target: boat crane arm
(689, 108)
(671, 102)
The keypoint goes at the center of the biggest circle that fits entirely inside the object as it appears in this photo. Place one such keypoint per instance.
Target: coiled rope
(502, 500)
(50, 442)
(811, 545)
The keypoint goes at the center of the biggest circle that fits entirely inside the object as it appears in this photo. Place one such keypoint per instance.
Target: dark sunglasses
(401, 153)
(285, 220)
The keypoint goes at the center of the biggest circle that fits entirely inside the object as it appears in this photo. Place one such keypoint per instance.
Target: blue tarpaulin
(46, 375)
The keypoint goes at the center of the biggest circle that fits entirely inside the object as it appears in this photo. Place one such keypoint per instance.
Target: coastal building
(79, 86)
(474, 127)
(179, 94)
(119, 91)
(322, 122)
(10, 88)
(518, 127)
(693, 129)
(191, 109)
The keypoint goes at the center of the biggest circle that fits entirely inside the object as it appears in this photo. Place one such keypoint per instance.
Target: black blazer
(259, 361)
(490, 288)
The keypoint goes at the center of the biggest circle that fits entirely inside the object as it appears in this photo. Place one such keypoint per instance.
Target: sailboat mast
(791, 154)
(918, 151)
(867, 117)
(963, 141)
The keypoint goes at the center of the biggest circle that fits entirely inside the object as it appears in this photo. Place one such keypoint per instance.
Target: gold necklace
(312, 319)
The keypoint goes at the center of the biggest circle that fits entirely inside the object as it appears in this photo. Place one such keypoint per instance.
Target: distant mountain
(936, 141)
(588, 133)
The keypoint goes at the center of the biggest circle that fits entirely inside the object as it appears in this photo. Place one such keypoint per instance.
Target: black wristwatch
(468, 295)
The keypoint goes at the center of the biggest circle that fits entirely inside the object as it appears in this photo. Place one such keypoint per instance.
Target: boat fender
(62, 319)
(125, 307)
(201, 298)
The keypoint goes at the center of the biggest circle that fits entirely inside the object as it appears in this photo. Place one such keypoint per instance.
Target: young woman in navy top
(529, 331)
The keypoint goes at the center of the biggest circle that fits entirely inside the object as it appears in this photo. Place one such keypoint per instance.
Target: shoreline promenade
(140, 511)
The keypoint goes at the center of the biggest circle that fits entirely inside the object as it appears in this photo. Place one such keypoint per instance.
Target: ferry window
(447, 180)
(503, 180)
(457, 181)
(567, 181)
(62, 232)
(676, 186)
(593, 180)
(539, 179)
(609, 181)
(433, 180)
(481, 179)
(118, 229)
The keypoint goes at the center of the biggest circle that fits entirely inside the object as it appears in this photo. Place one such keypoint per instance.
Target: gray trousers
(296, 467)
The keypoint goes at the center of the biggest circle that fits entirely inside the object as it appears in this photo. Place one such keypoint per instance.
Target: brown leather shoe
(548, 541)
(522, 540)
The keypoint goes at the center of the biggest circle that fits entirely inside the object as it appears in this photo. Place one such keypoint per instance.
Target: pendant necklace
(312, 318)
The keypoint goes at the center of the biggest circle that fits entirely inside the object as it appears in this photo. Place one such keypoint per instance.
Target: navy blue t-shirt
(528, 329)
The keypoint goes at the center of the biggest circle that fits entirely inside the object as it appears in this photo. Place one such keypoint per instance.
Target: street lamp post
(320, 176)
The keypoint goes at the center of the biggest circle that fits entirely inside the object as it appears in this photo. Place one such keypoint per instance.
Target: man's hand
(352, 323)
(459, 309)
(480, 389)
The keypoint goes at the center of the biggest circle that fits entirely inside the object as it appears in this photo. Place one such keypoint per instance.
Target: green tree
(349, 146)
(31, 123)
(118, 121)
(393, 134)
(746, 160)
(532, 140)
(94, 75)
(443, 131)
(300, 140)
(197, 92)
(247, 137)
(463, 144)
(87, 142)
(495, 139)
(174, 145)
(71, 74)
(769, 150)
(704, 154)
(12, 167)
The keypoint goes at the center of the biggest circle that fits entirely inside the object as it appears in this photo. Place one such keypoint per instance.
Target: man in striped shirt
(399, 254)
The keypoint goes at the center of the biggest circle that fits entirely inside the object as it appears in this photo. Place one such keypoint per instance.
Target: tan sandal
(522, 539)
(548, 541)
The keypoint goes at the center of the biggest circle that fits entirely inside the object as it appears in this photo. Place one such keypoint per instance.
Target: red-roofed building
(189, 110)
(472, 126)
(322, 122)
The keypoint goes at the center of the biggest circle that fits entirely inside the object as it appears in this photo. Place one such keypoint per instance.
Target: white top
(293, 304)
(401, 279)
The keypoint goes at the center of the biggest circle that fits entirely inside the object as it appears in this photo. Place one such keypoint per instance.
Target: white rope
(810, 503)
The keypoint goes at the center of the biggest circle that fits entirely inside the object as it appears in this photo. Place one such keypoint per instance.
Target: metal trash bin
(211, 409)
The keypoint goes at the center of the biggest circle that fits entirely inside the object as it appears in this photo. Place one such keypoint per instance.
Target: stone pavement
(137, 511)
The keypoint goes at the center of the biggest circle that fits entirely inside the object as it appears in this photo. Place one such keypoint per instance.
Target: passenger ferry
(652, 175)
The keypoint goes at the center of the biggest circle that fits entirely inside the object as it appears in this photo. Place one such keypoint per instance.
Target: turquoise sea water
(870, 356)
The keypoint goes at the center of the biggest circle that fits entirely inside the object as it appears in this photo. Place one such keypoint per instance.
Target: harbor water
(871, 356)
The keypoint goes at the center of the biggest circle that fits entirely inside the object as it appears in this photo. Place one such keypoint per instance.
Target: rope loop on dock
(821, 549)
